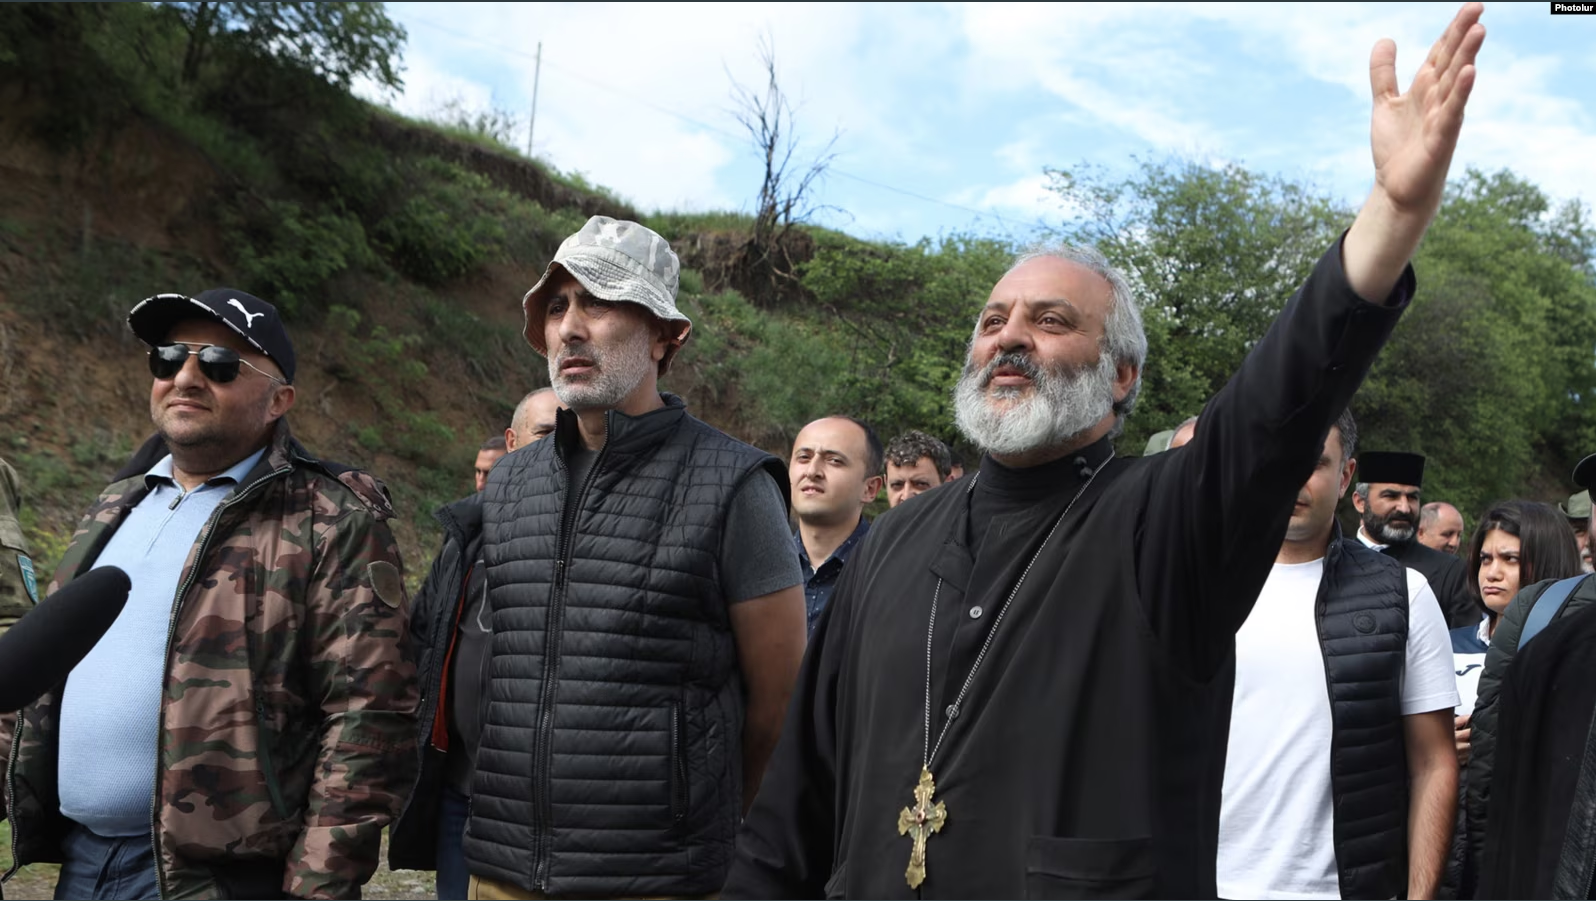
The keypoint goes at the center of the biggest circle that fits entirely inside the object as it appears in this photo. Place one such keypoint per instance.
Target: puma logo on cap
(249, 318)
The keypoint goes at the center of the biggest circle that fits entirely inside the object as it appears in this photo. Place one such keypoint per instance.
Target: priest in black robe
(1021, 687)
(1388, 500)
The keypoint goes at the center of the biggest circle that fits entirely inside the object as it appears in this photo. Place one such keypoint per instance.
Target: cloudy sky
(947, 113)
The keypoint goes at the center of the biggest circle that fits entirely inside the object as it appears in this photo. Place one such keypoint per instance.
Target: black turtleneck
(1001, 491)
(1011, 510)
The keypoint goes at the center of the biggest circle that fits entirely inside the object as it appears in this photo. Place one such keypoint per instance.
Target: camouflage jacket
(18, 591)
(288, 711)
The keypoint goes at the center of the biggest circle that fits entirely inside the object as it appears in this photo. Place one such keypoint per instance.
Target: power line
(676, 114)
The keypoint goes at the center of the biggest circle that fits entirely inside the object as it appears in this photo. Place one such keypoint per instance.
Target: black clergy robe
(1088, 757)
(1447, 579)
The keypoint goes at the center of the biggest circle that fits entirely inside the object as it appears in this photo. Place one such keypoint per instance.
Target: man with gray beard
(1022, 685)
(647, 608)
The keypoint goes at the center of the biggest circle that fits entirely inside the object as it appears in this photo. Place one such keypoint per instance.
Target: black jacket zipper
(678, 764)
(553, 631)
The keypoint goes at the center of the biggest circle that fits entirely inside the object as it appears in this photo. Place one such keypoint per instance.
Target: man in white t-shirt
(1351, 797)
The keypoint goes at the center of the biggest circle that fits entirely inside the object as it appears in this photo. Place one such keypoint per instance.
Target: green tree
(339, 42)
(1492, 373)
(903, 315)
(1213, 253)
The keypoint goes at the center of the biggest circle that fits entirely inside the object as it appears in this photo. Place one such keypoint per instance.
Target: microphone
(40, 651)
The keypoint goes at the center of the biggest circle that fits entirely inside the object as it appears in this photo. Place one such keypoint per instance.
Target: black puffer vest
(1362, 613)
(611, 765)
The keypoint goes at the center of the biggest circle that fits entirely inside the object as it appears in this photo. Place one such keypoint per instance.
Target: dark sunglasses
(219, 364)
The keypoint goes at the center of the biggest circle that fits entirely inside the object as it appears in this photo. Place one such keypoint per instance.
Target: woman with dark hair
(1517, 543)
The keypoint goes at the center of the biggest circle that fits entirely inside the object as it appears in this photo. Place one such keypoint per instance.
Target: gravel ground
(37, 883)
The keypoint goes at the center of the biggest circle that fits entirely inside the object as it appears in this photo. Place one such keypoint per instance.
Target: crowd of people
(651, 660)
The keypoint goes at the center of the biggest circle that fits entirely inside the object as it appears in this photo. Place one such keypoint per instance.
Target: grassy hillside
(397, 251)
(401, 373)
(136, 158)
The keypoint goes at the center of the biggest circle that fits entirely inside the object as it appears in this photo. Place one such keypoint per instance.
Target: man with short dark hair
(835, 471)
(245, 728)
(647, 608)
(451, 633)
(916, 463)
(487, 455)
(1441, 527)
(1345, 649)
(1386, 497)
(955, 463)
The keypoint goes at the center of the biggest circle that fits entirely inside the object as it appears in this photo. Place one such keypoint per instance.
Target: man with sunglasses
(246, 728)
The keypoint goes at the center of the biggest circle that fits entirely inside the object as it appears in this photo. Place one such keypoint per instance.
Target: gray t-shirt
(756, 556)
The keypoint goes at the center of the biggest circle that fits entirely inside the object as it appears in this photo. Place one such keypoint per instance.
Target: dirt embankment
(85, 235)
(509, 172)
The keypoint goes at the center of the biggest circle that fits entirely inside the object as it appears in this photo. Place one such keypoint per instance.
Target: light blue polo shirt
(112, 702)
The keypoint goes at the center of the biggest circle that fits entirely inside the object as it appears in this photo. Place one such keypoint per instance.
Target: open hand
(1413, 134)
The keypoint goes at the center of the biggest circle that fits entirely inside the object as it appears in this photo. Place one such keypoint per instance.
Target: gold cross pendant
(918, 822)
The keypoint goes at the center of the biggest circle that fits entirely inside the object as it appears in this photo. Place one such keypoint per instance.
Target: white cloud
(613, 74)
(1107, 59)
(968, 102)
(1027, 198)
(1092, 58)
(1520, 114)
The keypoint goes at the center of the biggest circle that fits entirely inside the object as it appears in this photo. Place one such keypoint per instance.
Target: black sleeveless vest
(1362, 614)
(611, 763)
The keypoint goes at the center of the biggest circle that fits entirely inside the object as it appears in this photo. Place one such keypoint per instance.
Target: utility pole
(537, 69)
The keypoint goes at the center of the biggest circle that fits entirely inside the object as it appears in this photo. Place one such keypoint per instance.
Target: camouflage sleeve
(365, 679)
(19, 586)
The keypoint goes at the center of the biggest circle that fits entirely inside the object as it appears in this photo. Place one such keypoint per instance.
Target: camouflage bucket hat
(1577, 506)
(614, 260)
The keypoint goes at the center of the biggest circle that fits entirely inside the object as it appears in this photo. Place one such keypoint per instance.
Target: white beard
(620, 370)
(1061, 405)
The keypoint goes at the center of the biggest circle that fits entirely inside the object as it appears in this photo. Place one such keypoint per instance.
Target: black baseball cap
(1585, 473)
(255, 320)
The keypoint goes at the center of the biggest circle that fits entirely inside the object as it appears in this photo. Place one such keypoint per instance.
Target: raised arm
(1412, 136)
(1219, 507)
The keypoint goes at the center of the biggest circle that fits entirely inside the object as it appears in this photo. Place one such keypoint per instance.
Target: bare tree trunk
(784, 194)
(198, 35)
